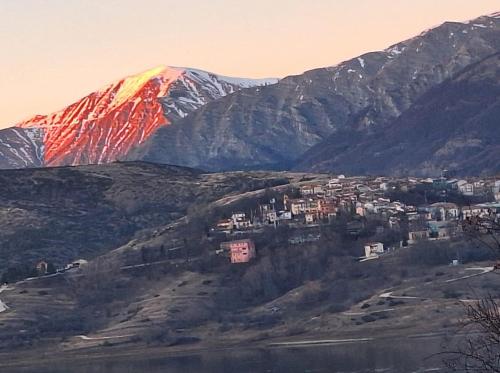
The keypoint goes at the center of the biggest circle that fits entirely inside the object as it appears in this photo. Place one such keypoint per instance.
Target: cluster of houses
(366, 198)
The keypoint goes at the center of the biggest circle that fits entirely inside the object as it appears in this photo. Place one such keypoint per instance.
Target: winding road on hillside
(481, 271)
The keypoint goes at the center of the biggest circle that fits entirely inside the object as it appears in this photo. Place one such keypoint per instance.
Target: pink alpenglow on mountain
(103, 126)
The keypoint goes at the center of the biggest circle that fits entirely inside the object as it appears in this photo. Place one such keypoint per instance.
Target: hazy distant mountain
(105, 125)
(455, 126)
(275, 125)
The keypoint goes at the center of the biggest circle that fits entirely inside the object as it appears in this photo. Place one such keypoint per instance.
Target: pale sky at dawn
(54, 52)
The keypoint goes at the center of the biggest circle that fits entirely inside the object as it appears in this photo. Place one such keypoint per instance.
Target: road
(85, 338)
(481, 271)
(320, 342)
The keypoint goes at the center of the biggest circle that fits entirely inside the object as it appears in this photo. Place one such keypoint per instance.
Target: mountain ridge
(104, 125)
(273, 126)
(453, 127)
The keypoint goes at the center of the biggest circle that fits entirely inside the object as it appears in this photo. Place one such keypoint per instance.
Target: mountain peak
(134, 83)
(103, 126)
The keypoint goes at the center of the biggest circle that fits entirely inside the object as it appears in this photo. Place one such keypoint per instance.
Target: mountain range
(421, 105)
(103, 126)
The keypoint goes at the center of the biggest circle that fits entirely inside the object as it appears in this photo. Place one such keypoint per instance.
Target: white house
(372, 249)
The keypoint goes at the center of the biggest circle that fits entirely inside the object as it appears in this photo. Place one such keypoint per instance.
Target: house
(240, 221)
(360, 210)
(310, 190)
(295, 206)
(42, 267)
(285, 215)
(418, 231)
(225, 225)
(303, 206)
(238, 216)
(240, 251)
(444, 211)
(271, 217)
(310, 218)
(327, 208)
(475, 210)
(372, 249)
(466, 188)
(442, 230)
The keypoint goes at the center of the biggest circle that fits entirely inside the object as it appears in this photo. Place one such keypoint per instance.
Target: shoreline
(41, 358)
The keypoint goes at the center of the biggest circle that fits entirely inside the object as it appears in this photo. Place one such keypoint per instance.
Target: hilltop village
(409, 211)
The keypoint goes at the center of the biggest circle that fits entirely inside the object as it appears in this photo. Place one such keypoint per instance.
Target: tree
(479, 351)
(51, 268)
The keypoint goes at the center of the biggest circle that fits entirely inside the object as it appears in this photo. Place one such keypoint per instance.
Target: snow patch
(241, 82)
(396, 50)
(361, 62)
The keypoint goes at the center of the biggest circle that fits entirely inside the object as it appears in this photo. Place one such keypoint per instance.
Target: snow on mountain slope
(21, 147)
(103, 126)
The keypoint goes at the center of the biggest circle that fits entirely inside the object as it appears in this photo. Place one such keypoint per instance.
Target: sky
(53, 52)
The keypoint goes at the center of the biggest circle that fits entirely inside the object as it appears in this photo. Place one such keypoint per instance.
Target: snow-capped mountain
(276, 126)
(103, 126)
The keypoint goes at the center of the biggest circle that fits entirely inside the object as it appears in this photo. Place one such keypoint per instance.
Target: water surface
(399, 356)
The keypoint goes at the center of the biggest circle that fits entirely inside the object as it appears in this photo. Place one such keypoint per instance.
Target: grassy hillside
(62, 214)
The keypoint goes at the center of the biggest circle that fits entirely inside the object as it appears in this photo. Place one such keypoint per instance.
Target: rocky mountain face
(103, 126)
(21, 147)
(454, 126)
(273, 126)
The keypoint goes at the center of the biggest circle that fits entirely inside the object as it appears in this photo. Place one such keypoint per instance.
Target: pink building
(241, 251)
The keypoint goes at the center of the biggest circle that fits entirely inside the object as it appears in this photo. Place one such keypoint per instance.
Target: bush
(368, 318)
(336, 308)
(451, 294)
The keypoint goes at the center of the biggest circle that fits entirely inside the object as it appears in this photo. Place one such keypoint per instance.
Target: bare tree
(479, 351)
(484, 230)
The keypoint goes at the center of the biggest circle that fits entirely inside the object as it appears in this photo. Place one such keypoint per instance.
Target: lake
(399, 356)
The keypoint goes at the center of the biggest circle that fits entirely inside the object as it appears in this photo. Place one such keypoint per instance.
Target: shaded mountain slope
(454, 126)
(275, 125)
